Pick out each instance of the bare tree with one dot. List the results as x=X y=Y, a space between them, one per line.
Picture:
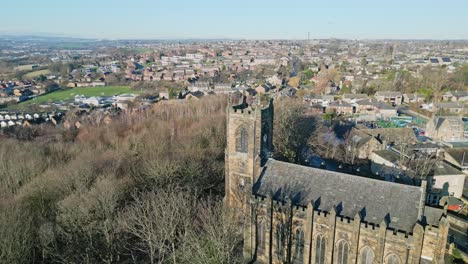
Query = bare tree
x=323 y=141
x=158 y=221
x=292 y=130
x=350 y=149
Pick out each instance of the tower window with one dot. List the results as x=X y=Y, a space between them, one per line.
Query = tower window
x=242 y=140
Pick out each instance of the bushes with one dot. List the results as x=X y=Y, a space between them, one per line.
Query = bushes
x=76 y=199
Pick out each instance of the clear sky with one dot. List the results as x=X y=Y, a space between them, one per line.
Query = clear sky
x=251 y=19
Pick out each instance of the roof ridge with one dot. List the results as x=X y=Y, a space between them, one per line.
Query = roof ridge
x=345 y=174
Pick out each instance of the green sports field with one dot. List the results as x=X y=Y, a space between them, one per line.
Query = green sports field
x=69 y=94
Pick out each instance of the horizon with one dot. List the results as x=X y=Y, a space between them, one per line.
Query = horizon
x=260 y=20
x=58 y=36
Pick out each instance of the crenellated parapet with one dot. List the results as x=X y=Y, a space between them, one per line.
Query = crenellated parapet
x=358 y=233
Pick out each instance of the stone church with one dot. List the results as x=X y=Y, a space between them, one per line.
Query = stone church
x=296 y=214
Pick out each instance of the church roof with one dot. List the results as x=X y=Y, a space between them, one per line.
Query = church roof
x=374 y=200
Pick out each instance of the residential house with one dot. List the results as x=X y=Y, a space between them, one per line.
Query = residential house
x=222 y=88
x=456 y=96
x=385 y=110
x=366 y=141
x=264 y=88
x=340 y=107
x=391 y=97
x=413 y=98
x=447 y=128
x=442 y=179
x=199 y=86
x=362 y=143
x=458 y=157
x=376 y=108
x=449 y=107
x=323 y=100
x=385 y=163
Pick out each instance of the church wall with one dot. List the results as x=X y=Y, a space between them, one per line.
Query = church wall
x=358 y=234
x=347 y=230
x=398 y=243
x=371 y=236
x=323 y=224
x=433 y=248
x=299 y=222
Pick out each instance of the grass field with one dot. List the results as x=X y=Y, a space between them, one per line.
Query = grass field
x=36 y=73
x=69 y=94
x=25 y=67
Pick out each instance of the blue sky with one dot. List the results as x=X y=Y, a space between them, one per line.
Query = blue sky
x=251 y=19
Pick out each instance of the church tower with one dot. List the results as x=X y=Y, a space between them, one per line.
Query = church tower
x=249 y=145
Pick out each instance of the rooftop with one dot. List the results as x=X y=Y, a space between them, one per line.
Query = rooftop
x=374 y=200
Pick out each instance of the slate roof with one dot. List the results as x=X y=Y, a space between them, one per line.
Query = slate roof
x=425 y=145
x=375 y=103
x=458 y=93
x=375 y=200
x=413 y=95
x=432 y=215
x=388 y=155
x=355 y=96
x=442 y=168
x=452 y=120
x=449 y=105
x=340 y=104
x=396 y=135
x=359 y=138
x=388 y=93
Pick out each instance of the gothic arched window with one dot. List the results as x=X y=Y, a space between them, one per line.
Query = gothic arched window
x=343 y=249
x=261 y=237
x=367 y=256
x=299 y=246
x=393 y=259
x=280 y=240
x=242 y=140
x=320 y=250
